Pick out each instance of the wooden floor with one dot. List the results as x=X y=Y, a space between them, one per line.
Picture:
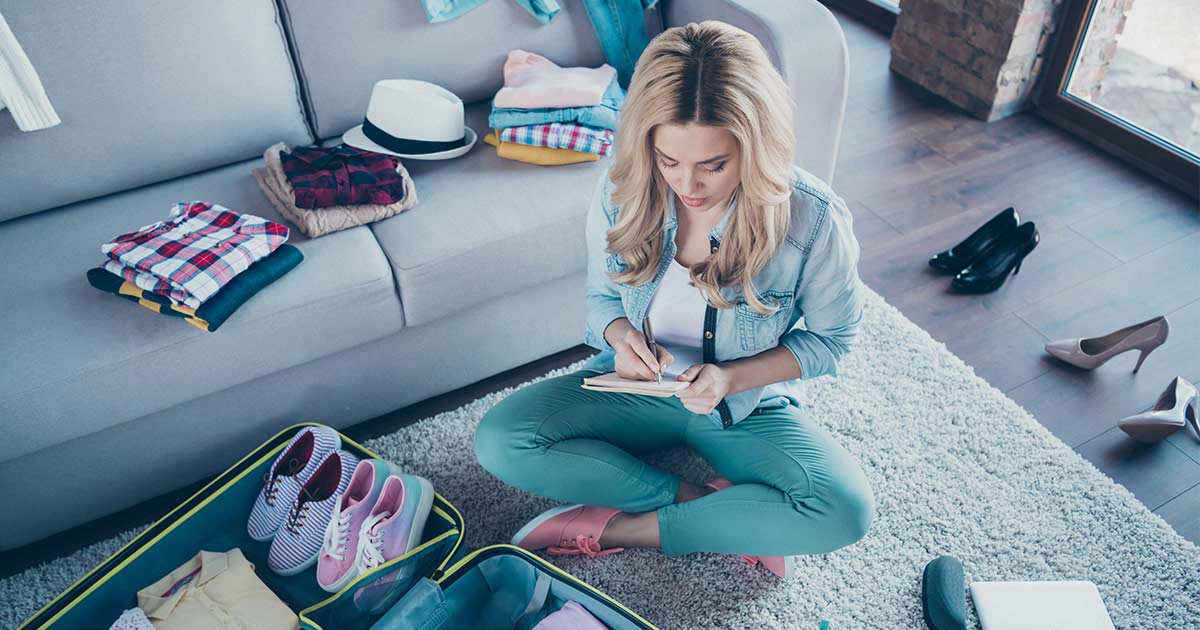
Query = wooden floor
x=1117 y=247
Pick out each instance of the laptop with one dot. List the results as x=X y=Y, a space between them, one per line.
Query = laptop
x=1063 y=605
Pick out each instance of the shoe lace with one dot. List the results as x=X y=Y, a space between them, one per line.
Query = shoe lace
x=296 y=517
x=749 y=560
x=337 y=537
x=272 y=478
x=582 y=545
x=371 y=542
x=298 y=513
x=272 y=488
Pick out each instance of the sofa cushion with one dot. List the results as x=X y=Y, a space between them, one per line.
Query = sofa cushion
x=464 y=55
x=78 y=360
x=486 y=227
x=147 y=91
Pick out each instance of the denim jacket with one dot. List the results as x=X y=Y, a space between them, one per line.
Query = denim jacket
x=813 y=274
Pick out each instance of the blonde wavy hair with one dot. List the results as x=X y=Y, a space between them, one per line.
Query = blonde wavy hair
x=708 y=73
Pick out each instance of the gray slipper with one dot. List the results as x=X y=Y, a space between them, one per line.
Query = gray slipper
x=943 y=594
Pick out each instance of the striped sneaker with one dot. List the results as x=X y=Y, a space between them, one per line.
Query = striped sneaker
x=338 y=563
x=782 y=566
x=286 y=475
x=298 y=542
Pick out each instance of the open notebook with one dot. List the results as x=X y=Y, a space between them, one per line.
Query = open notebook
x=610 y=382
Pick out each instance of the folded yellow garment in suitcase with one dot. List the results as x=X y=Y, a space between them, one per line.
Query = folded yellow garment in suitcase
x=435 y=578
x=215 y=519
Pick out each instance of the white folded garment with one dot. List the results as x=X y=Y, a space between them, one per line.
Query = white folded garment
x=20 y=87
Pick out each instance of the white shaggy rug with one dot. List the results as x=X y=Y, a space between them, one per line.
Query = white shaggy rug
x=956 y=467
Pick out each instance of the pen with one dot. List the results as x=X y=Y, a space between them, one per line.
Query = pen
x=653 y=347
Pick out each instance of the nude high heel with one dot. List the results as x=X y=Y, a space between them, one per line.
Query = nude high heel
x=1091 y=352
x=1176 y=406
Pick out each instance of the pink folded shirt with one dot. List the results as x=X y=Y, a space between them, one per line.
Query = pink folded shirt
x=531 y=81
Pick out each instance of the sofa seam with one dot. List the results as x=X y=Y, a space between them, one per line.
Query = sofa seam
x=476 y=248
x=303 y=96
x=391 y=267
x=396 y=270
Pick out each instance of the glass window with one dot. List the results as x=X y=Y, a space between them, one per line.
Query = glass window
x=1140 y=64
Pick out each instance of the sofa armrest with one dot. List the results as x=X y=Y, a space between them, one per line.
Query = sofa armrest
x=806 y=44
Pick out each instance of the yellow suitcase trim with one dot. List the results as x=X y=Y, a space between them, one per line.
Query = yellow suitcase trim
x=208 y=493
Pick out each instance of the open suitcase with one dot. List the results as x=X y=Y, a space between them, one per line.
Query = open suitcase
x=501 y=586
x=214 y=519
x=435 y=585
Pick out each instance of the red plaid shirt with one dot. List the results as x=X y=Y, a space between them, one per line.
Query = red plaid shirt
x=562 y=136
x=190 y=256
x=341 y=176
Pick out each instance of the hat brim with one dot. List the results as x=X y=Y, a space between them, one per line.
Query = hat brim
x=356 y=138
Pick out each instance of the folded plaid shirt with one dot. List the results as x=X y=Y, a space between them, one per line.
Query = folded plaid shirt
x=562 y=136
x=190 y=256
x=341 y=176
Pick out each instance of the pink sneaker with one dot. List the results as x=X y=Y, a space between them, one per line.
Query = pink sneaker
x=783 y=566
x=338 y=563
x=397 y=520
x=568 y=530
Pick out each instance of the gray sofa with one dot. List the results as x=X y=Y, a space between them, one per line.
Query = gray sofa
x=104 y=405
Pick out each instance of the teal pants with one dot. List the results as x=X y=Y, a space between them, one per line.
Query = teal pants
x=796 y=490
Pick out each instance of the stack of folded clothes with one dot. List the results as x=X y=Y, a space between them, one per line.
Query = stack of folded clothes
x=550 y=115
x=327 y=189
x=201 y=264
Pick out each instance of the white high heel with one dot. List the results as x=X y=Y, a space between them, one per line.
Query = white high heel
x=1175 y=407
x=1091 y=352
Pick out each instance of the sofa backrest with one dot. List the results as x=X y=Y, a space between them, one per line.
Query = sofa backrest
x=342 y=51
x=147 y=91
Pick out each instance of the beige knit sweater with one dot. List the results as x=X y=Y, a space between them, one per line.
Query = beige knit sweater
x=319 y=221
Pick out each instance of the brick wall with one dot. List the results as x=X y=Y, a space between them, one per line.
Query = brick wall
x=981 y=55
x=1108 y=21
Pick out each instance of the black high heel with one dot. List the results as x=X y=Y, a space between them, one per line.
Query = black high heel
x=994 y=265
x=962 y=255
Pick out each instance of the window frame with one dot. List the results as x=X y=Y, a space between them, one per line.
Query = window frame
x=1107 y=131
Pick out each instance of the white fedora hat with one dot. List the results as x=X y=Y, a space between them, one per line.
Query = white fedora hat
x=413 y=119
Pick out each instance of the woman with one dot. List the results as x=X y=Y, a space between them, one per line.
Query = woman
x=704 y=226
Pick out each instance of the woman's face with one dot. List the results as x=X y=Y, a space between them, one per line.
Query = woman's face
x=702 y=164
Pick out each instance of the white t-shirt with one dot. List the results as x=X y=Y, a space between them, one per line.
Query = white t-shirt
x=677 y=318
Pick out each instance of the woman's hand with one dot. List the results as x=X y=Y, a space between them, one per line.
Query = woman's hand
x=634 y=360
x=709 y=385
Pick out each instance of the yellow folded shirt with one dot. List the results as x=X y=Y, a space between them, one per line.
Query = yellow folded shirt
x=187 y=313
x=544 y=156
x=215 y=590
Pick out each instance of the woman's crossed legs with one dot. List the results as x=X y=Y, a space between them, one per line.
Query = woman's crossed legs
x=795 y=489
